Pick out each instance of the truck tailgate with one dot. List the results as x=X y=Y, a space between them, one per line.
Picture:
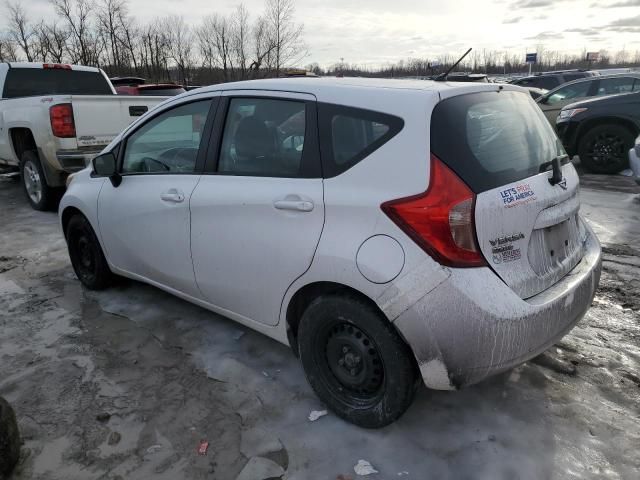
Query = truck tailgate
x=99 y=118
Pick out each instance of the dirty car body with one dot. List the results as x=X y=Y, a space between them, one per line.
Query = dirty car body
x=446 y=211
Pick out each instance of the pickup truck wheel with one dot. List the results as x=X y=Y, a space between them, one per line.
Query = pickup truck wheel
x=86 y=254
x=39 y=194
x=355 y=360
x=605 y=148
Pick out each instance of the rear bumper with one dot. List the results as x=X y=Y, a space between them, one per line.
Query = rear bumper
x=634 y=161
x=75 y=160
x=473 y=325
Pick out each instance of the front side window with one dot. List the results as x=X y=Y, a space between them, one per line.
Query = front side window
x=348 y=135
x=612 y=86
x=264 y=137
x=576 y=90
x=168 y=143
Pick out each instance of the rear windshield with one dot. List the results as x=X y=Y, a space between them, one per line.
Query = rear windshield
x=492 y=138
x=29 y=82
x=548 y=83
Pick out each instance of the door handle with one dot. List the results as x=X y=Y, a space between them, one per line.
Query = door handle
x=172 y=196
x=296 y=205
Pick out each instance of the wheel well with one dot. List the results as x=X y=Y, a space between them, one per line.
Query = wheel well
x=66 y=216
x=596 y=122
x=307 y=294
x=22 y=140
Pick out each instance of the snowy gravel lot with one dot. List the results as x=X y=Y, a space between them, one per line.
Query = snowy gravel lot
x=129 y=382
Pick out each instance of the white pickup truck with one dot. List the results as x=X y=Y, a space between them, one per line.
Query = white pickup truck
x=55 y=118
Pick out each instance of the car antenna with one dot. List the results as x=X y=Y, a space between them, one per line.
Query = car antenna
x=443 y=76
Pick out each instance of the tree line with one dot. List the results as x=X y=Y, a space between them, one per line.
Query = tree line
x=486 y=61
x=103 y=33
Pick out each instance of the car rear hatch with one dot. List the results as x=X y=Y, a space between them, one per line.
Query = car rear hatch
x=499 y=143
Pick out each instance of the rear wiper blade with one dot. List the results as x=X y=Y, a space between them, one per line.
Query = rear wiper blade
x=555 y=165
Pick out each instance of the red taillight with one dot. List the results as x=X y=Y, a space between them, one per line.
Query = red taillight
x=62 y=124
x=56 y=66
x=440 y=220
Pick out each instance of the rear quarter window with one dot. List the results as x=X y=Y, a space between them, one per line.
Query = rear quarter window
x=348 y=135
x=492 y=138
x=29 y=82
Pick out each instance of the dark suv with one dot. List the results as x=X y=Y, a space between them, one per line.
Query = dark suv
x=601 y=130
x=551 y=80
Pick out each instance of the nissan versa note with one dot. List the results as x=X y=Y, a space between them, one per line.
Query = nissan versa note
x=386 y=230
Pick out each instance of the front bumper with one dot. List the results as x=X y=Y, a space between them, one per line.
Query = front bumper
x=473 y=325
x=75 y=160
x=567 y=132
x=634 y=161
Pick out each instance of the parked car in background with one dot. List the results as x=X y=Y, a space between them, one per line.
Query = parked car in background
x=601 y=130
x=54 y=118
x=269 y=202
x=634 y=160
x=536 y=93
x=598 y=86
x=138 y=86
x=551 y=80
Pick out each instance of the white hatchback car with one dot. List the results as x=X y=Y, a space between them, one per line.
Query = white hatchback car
x=386 y=230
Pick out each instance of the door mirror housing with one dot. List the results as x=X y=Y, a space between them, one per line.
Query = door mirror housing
x=105 y=165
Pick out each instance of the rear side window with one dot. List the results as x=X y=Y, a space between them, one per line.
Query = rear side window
x=348 y=135
x=492 y=138
x=28 y=82
x=568 y=77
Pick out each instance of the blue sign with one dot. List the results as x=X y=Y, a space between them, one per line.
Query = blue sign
x=532 y=57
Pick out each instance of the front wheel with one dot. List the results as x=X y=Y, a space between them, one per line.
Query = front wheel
x=355 y=360
x=605 y=148
x=86 y=255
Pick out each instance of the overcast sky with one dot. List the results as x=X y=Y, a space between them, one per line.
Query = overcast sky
x=379 y=31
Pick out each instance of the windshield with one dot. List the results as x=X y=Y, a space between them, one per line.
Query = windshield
x=492 y=138
x=29 y=82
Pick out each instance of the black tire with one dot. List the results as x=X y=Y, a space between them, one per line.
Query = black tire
x=34 y=184
x=86 y=254
x=9 y=439
x=605 y=148
x=355 y=360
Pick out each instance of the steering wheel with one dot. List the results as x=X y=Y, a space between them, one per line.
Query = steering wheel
x=146 y=161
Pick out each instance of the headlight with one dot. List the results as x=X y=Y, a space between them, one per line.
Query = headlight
x=69 y=179
x=566 y=114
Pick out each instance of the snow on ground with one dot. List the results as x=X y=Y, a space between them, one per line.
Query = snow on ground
x=129 y=382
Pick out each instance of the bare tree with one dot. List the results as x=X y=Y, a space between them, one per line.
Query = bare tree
x=20 y=30
x=84 y=46
x=109 y=15
x=215 y=42
x=7 y=50
x=285 y=33
x=240 y=31
x=179 y=39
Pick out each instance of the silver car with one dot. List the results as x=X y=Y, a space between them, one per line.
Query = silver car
x=388 y=231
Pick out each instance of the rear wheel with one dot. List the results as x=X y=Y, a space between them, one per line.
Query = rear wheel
x=605 y=148
x=355 y=360
x=40 y=195
x=86 y=255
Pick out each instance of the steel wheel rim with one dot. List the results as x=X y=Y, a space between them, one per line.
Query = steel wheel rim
x=83 y=256
x=338 y=346
x=607 y=148
x=32 y=182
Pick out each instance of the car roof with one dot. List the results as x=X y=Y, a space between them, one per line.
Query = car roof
x=599 y=77
x=604 y=99
x=324 y=87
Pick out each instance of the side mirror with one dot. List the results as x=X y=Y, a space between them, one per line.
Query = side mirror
x=105 y=165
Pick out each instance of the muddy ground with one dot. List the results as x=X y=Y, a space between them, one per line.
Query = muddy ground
x=128 y=382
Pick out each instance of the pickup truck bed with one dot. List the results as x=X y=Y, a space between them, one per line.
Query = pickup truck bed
x=58 y=133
